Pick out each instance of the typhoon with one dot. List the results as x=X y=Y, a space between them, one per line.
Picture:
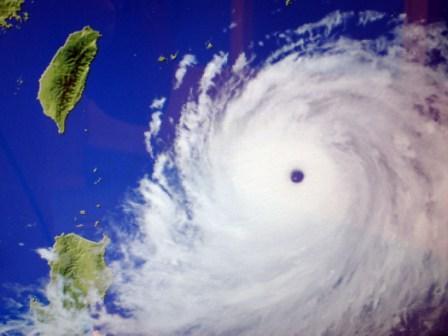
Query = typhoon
x=305 y=193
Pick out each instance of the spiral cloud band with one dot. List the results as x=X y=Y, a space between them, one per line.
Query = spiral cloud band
x=234 y=244
x=306 y=194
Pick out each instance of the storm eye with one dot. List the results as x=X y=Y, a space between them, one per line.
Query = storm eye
x=297 y=176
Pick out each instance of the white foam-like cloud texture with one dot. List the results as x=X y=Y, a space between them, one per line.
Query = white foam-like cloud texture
x=227 y=244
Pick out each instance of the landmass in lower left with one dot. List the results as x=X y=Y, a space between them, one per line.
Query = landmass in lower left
x=79 y=275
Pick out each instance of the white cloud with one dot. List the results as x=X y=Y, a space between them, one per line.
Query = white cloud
x=240 y=63
x=154 y=128
x=187 y=61
x=232 y=244
x=158 y=103
x=211 y=70
x=47 y=253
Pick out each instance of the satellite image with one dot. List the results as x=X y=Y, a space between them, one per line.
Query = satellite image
x=224 y=168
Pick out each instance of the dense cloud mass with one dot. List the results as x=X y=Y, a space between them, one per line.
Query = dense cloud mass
x=232 y=246
x=228 y=244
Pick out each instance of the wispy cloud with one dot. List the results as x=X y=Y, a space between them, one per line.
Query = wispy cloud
x=187 y=61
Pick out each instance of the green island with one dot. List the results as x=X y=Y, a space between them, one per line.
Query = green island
x=9 y=11
x=77 y=269
x=62 y=83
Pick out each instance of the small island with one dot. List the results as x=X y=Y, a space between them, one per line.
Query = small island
x=62 y=83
